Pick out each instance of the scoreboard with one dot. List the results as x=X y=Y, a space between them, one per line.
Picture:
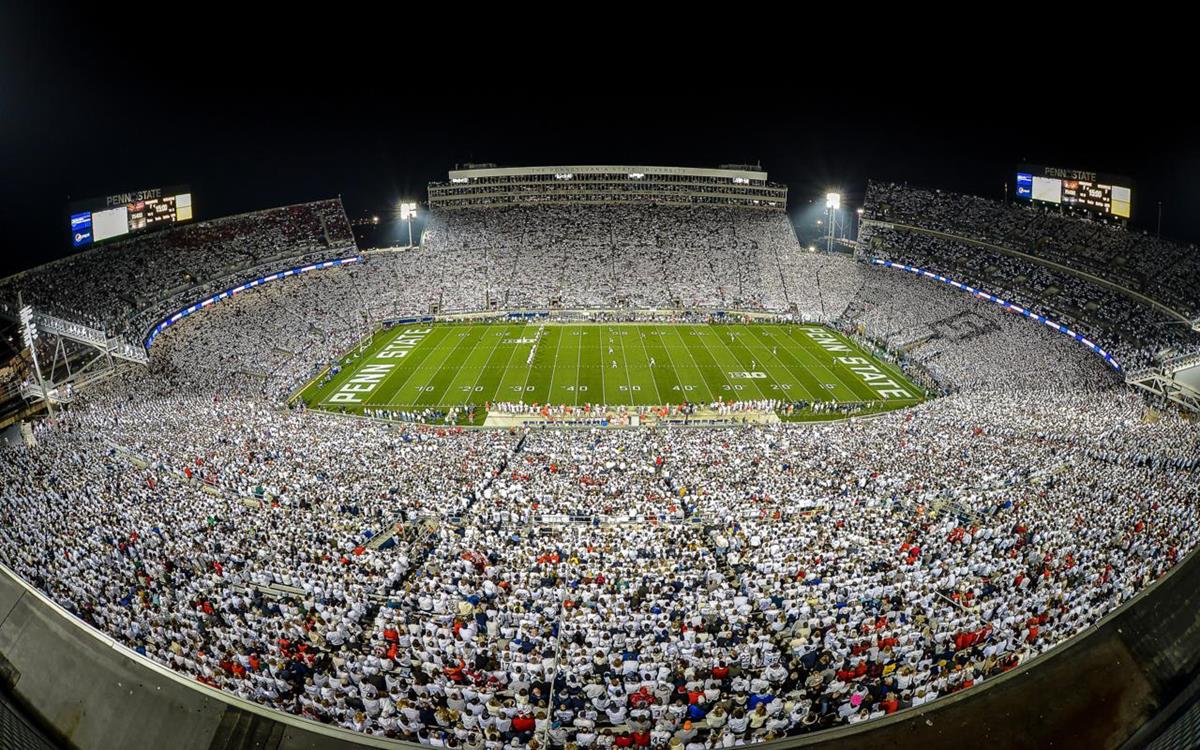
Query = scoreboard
x=101 y=219
x=1110 y=195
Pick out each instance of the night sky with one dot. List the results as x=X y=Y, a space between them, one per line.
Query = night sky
x=78 y=119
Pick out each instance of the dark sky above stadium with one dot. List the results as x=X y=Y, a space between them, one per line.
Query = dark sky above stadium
x=83 y=117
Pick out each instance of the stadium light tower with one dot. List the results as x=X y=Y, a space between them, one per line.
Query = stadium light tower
x=407 y=212
x=833 y=205
x=29 y=335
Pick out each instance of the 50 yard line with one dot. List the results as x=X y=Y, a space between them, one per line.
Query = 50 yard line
x=579 y=366
x=642 y=338
x=625 y=364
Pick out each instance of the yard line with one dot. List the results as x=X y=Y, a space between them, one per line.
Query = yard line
x=695 y=365
x=642 y=338
x=603 y=385
x=433 y=349
x=806 y=345
x=498 y=382
x=464 y=370
x=445 y=346
x=457 y=367
x=720 y=368
x=482 y=370
x=734 y=354
x=625 y=364
x=811 y=363
x=684 y=389
x=711 y=396
x=579 y=366
x=897 y=374
x=529 y=369
x=347 y=371
x=799 y=380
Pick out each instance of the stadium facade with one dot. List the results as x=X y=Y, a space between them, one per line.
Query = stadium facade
x=491 y=186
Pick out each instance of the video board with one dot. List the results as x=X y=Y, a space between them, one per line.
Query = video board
x=100 y=219
x=1111 y=195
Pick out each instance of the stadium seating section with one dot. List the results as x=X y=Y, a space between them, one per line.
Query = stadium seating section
x=667 y=587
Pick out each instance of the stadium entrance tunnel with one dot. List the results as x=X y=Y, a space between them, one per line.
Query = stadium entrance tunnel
x=1094 y=691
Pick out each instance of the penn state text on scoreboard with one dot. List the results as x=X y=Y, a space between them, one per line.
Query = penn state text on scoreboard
x=1075 y=188
x=99 y=219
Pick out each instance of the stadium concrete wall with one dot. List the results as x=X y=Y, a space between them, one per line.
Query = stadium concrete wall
x=1093 y=692
x=88 y=691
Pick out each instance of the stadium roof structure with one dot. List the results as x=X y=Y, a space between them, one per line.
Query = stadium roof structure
x=602 y=169
x=487 y=185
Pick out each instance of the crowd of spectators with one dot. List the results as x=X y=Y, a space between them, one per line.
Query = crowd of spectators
x=125 y=287
x=1161 y=269
x=639 y=256
x=1131 y=331
x=660 y=587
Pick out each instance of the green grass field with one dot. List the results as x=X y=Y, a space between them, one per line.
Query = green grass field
x=456 y=364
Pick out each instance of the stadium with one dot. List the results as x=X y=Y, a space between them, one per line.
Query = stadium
x=606 y=456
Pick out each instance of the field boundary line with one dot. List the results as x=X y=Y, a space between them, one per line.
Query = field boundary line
x=337 y=361
x=888 y=367
x=389 y=404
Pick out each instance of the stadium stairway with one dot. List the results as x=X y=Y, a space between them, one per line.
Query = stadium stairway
x=242 y=730
x=422 y=547
x=19 y=731
x=735 y=581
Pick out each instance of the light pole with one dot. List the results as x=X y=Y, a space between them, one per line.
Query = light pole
x=407 y=212
x=833 y=203
x=29 y=334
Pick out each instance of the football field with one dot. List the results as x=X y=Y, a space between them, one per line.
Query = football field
x=441 y=365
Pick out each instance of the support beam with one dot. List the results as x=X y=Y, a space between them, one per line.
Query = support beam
x=1166 y=387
